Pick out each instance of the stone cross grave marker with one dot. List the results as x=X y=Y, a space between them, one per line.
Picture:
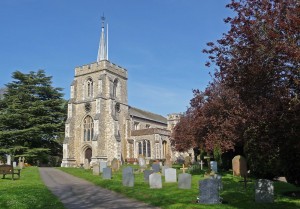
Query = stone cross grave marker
x=170 y=175
x=183 y=168
x=155 y=181
x=201 y=165
x=115 y=165
x=147 y=173
x=103 y=164
x=106 y=173
x=209 y=191
x=96 y=169
x=86 y=164
x=264 y=191
x=214 y=166
x=155 y=168
x=128 y=177
x=184 y=181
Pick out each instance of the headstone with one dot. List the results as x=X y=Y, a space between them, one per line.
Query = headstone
x=14 y=164
x=170 y=175
x=115 y=165
x=201 y=165
x=168 y=161
x=103 y=164
x=187 y=161
x=147 y=173
x=128 y=177
x=163 y=168
x=106 y=173
x=8 y=162
x=86 y=164
x=239 y=166
x=219 y=179
x=155 y=168
x=214 y=166
x=155 y=181
x=96 y=169
x=264 y=191
x=142 y=163
x=209 y=191
x=184 y=181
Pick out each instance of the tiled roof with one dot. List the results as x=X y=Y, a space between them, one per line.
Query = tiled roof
x=135 y=112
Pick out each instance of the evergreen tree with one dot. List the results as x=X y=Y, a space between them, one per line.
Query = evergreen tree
x=32 y=115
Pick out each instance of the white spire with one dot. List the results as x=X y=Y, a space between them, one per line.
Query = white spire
x=102 y=51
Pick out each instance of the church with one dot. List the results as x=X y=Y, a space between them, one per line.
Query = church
x=101 y=125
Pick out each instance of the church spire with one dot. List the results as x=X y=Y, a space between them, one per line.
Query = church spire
x=102 y=51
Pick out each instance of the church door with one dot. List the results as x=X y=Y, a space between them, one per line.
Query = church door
x=88 y=154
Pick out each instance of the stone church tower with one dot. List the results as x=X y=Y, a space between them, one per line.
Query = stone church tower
x=98 y=115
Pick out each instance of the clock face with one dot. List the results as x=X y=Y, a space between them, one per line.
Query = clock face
x=87 y=107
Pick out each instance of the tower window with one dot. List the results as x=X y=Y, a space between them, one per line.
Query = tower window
x=89 y=86
x=88 y=127
x=115 y=86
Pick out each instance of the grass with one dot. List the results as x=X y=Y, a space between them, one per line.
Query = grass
x=170 y=197
x=28 y=192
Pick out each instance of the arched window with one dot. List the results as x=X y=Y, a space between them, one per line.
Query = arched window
x=144 y=148
x=115 y=86
x=89 y=86
x=88 y=127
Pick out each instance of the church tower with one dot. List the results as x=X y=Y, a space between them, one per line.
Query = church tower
x=97 y=125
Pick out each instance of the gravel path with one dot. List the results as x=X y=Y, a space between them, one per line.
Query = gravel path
x=76 y=193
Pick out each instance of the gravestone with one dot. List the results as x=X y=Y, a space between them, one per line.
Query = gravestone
x=147 y=173
x=239 y=166
x=128 y=177
x=103 y=164
x=115 y=165
x=155 y=181
x=8 y=160
x=14 y=164
x=155 y=168
x=170 y=175
x=163 y=168
x=201 y=165
x=209 y=191
x=187 y=161
x=219 y=179
x=264 y=191
x=96 y=169
x=21 y=164
x=142 y=163
x=168 y=161
x=86 y=164
x=214 y=166
x=183 y=168
x=184 y=181
x=106 y=173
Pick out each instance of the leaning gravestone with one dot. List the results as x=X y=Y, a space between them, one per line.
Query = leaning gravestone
x=264 y=191
x=239 y=166
x=155 y=181
x=147 y=173
x=128 y=177
x=155 y=168
x=115 y=165
x=96 y=169
x=106 y=173
x=170 y=175
x=214 y=166
x=184 y=181
x=209 y=191
x=86 y=164
x=103 y=164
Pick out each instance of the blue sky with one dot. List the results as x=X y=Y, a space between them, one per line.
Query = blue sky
x=159 y=42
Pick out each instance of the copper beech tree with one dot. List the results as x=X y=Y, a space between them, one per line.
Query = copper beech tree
x=253 y=101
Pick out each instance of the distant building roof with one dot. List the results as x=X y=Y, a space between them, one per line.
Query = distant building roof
x=135 y=112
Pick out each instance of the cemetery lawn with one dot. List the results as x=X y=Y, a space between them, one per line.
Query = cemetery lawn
x=170 y=197
x=28 y=192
